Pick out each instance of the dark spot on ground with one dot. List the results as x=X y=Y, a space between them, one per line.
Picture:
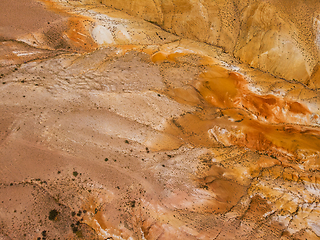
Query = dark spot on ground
x=74 y=229
x=75 y=173
x=53 y=214
x=239 y=120
x=132 y=204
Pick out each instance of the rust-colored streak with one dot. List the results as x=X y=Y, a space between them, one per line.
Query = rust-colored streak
x=78 y=26
x=158 y=57
x=166 y=56
x=220 y=91
x=296 y=107
x=245 y=118
x=262 y=136
x=79 y=35
x=288 y=137
x=236 y=127
x=232 y=91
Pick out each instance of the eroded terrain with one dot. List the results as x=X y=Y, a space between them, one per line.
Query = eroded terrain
x=112 y=128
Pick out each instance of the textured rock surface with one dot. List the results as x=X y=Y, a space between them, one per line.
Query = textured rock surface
x=280 y=37
x=112 y=128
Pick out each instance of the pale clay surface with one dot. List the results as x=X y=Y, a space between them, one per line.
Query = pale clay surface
x=115 y=128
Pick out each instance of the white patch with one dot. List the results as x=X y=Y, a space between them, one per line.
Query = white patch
x=316 y=26
x=285 y=220
x=315 y=227
x=102 y=35
x=264 y=53
x=124 y=31
x=19 y=54
x=313 y=189
x=234 y=68
x=183 y=50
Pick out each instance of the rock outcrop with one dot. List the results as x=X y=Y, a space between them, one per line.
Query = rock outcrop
x=279 y=37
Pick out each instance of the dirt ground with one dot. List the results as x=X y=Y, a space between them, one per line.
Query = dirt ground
x=112 y=128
